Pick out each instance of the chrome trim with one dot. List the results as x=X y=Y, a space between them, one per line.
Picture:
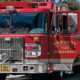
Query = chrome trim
x=55 y=61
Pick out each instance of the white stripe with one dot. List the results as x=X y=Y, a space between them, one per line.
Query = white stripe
x=55 y=61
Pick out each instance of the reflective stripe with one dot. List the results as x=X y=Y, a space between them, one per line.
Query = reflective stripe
x=50 y=60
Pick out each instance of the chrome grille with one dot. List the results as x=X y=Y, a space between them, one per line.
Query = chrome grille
x=13 y=47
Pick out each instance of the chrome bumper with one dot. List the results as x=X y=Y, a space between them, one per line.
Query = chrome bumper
x=28 y=68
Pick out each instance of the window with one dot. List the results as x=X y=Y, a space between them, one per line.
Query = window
x=40 y=24
x=64 y=23
x=28 y=22
x=73 y=22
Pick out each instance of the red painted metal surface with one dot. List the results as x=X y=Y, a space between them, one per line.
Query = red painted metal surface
x=63 y=47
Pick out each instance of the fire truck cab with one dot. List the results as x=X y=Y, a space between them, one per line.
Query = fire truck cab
x=34 y=39
x=64 y=40
x=65 y=35
x=23 y=37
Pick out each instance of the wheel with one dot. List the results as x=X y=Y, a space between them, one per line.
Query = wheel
x=2 y=76
x=76 y=69
x=62 y=74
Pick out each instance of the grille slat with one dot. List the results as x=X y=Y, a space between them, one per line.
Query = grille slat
x=12 y=48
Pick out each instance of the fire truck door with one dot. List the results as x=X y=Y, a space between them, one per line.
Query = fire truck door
x=62 y=42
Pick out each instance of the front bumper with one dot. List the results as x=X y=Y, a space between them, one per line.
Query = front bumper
x=28 y=68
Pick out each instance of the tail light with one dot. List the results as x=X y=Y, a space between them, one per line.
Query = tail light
x=32 y=50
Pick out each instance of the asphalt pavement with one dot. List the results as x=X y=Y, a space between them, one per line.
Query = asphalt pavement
x=54 y=76
x=73 y=77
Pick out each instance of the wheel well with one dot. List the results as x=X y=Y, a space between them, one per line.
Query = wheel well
x=76 y=64
x=77 y=59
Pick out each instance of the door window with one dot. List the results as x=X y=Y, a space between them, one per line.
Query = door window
x=64 y=23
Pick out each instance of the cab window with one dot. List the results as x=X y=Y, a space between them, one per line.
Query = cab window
x=64 y=23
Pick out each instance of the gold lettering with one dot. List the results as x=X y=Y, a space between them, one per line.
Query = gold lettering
x=64 y=42
x=65 y=51
x=61 y=42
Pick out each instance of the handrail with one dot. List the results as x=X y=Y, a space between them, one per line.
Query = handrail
x=38 y=0
x=26 y=0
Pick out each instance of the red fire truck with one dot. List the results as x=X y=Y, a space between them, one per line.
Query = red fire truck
x=36 y=39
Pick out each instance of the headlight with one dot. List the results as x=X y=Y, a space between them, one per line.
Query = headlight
x=33 y=52
x=4 y=56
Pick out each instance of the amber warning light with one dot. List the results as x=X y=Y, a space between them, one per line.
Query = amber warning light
x=36 y=39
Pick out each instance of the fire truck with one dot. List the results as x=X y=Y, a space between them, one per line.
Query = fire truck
x=35 y=39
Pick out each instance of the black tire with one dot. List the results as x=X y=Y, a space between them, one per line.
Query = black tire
x=76 y=69
x=62 y=75
x=2 y=76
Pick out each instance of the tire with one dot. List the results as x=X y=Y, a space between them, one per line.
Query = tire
x=62 y=75
x=2 y=76
x=76 y=69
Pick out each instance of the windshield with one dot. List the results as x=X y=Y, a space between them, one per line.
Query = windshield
x=18 y=22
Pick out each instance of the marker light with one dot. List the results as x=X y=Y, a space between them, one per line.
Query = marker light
x=36 y=39
x=32 y=50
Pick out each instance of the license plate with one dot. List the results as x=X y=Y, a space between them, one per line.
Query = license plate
x=5 y=67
